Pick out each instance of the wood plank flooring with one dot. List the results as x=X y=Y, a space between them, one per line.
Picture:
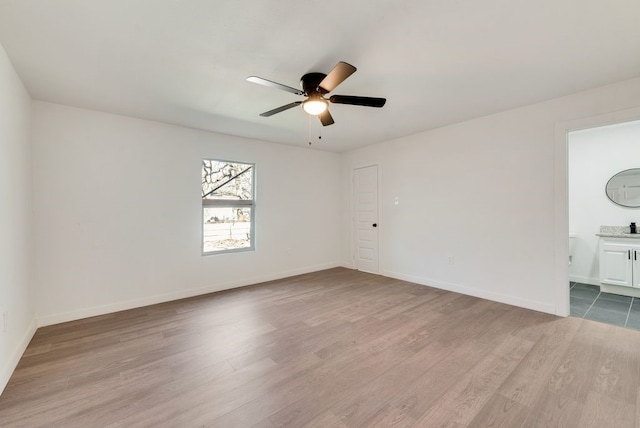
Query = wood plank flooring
x=336 y=348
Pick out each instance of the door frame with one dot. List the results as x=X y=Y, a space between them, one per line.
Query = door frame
x=561 y=196
x=352 y=214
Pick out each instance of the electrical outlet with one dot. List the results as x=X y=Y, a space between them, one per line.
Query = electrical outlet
x=451 y=260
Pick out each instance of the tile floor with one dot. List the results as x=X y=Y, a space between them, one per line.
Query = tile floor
x=588 y=302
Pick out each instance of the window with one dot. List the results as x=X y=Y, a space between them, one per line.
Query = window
x=228 y=206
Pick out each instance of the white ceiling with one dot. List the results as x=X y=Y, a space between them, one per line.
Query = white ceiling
x=436 y=61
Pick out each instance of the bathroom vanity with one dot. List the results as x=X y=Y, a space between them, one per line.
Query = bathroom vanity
x=619 y=261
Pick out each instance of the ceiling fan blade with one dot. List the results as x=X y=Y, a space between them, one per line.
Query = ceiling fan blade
x=358 y=101
x=326 y=118
x=269 y=83
x=340 y=72
x=280 y=109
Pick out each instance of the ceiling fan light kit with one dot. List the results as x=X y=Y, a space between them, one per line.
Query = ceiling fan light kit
x=315 y=105
x=314 y=87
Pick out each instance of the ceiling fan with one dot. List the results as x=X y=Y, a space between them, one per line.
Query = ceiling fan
x=315 y=86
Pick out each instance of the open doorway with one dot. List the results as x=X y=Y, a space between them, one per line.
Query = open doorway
x=601 y=286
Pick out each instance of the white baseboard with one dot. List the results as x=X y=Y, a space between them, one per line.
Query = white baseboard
x=348 y=265
x=182 y=294
x=483 y=294
x=8 y=369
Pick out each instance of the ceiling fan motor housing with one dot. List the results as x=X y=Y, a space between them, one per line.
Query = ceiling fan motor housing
x=310 y=83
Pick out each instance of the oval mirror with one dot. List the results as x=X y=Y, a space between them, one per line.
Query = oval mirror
x=624 y=188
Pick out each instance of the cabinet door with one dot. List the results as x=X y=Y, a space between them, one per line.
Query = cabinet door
x=635 y=261
x=615 y=264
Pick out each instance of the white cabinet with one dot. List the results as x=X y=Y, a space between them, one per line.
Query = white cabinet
x=619 y=262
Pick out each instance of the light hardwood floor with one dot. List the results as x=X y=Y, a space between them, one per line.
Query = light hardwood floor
x=336 y=348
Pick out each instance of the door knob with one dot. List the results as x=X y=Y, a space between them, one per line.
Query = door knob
x=375 y=224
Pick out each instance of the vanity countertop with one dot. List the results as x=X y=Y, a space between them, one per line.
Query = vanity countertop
x=617 y=232
x=619 y=235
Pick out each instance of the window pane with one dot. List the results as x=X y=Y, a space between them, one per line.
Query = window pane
x=226 y=228
x=227 y=180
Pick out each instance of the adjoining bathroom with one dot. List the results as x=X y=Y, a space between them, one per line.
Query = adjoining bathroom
x=604 y=207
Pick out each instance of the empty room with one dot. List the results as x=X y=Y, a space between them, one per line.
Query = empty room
x=319 y=214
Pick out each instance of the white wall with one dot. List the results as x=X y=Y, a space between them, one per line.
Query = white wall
x=595 y=155
x=488 y=192
x=16 y=298
x=117 y=212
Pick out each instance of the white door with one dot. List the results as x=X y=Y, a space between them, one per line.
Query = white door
x=615 y=265
x=365 y=217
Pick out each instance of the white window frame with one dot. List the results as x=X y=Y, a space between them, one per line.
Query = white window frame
x=232 y=203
